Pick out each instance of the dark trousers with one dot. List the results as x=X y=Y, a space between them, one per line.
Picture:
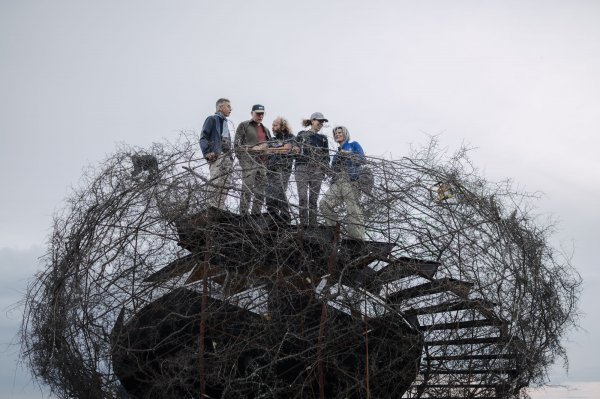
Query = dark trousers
x=277 y=202
x=309 y=177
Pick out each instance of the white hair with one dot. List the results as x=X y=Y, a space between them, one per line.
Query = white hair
x=344 y=130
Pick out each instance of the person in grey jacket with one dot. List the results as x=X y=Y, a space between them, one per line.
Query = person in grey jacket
x=251 y=143
x=311 y=164
x=215 y=143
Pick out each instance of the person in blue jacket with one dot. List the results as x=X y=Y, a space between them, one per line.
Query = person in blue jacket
x=346 y=167
x=215 y=143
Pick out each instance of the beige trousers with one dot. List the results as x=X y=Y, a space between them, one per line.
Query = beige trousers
x=220 y=177
x=343 y=191
x=254 y=179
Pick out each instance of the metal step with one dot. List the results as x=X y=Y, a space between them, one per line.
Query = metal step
x=467 y=341
x=458 y=287
x=452 y=306
x=431 y=371
x=463 y=397
x=472 y=357
x=395 y=269
x=469 y=386
x=358 y=254
x=199 y=274
x=463 y=324
x=175 y=269
x=405 y=266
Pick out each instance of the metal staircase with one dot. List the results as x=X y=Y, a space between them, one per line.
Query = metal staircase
x=466 y=349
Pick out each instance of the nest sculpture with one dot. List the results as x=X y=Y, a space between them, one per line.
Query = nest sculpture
x=149 y=293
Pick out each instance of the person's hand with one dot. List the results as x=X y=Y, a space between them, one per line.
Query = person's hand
x=326 y=169
x=260 y=147
x=211 y=157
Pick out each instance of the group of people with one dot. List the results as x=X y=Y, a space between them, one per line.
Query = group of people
x=267 y=160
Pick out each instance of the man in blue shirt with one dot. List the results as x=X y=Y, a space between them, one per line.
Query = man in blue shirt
x=346 y=167
x=215 y=143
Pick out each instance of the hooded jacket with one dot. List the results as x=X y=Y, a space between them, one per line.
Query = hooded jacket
x=349 y=158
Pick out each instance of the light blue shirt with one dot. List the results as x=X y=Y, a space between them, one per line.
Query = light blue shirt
x=225 y=135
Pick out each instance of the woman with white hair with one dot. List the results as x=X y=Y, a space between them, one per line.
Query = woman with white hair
x=346 y=166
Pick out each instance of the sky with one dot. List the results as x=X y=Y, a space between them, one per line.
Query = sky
x=519 y=81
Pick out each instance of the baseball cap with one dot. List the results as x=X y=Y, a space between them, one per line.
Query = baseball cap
x=318 y=116
x=258 y=108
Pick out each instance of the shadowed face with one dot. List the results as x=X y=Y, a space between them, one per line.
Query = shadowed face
x=258 y=116
x=316 y=124
x=277 y=125
x=225 y=109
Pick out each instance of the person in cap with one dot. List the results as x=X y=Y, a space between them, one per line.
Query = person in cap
x=251 y=142
x=279 y=168
x=346 y=167
x=311 y=164
x=215 y=143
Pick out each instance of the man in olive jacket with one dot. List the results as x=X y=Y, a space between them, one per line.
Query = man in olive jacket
x=250 y=146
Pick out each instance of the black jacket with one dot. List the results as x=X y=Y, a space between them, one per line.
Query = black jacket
x=314 y=147
x=281 y=162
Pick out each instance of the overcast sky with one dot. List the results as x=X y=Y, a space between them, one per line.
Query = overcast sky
x=518 y=80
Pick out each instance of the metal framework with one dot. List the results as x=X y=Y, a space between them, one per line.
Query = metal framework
x=148 y=293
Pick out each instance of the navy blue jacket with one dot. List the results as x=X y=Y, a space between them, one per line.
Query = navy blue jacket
x=211 y=139
x=314 y=147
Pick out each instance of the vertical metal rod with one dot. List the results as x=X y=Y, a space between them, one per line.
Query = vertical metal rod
x=331 y=268
x=320 y=369
x=203 y=306
x=367 y=361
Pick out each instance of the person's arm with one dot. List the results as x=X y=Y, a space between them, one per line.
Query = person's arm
x=240 y=139
x=325 y=151
x=358 y=155
x=354 y=161
x=288 y=145
x=275 y=147
x=206 y=138
x=240 y=134
x=300 y=141
x=263 y=146
x=295 y=146
x=285 y=145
